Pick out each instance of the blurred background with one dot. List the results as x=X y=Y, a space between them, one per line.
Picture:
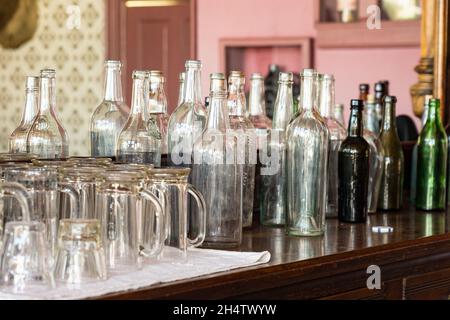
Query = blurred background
x=76 y=36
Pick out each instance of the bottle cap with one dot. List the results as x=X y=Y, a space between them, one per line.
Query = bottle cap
x=286 y=77
x=364 y=87
x=32 y=83
x=357 y=104
x=193 y=64
x=390 y=99
x=218 y=83
x=380 y=87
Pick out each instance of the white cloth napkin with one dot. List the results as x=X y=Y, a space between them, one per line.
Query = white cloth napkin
x=200 y=262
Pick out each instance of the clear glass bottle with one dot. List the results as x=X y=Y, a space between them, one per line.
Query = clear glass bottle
x=108 y=119
x=157 y=105
x=217 y=174
x=188 y=120
x=308 y=142
x=46 y=137
x=257 y=108
x=371 y=120
x=391 y=191
x=181 y=79
x=18 y=138
x=140 y=140
x=273 y=187
x=337 y=135
x=238 y=121
x=338 y=113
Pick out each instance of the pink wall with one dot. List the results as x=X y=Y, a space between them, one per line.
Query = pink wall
x=293 y=18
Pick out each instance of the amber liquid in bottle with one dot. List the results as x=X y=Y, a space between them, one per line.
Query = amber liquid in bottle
x=354 y=169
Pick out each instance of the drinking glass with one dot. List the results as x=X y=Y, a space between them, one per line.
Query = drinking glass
x=25 y=261
x=117 y=206
x=43 y=188
x=85 y=180
x=81 y=256
x=172 y=188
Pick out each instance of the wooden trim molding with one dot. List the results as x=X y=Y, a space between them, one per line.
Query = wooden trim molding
x=304 y=43
x=357 y=35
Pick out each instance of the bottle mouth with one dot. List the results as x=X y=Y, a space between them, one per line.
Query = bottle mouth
x=48 y=73
x=286 y=77
x=193 y=64
x=140 y=74
x=256 y=76
x=308 y=73
x=113 y=64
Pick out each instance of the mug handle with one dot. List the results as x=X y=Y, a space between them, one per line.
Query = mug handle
x=74 y=198
x=20 y=193
x=201 y=216
x=160 y=233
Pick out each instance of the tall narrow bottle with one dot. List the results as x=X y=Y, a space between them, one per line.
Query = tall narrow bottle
x=353 y=169
x=257 y=108
x=273 y=187
x=217 y=174
x=108 y=119
x=46 y=137
x=371 y=120
x=391 y=192
x=157 y=105
x=181 y=80
x=188 y=120
x=432 y=161
x=242 y=125
x=307 y=163
x=18 y=138
x=376 y=155
x=140 y=140
x=337 y=135
x=380 y=93
x=412 y=192
x=364 y=90
x=338 y=113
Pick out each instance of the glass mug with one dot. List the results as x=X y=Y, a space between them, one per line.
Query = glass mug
x=43 y=189
x=85 y=180
x=88 y=161
x=117 y=206
x=172 y=188
x=81 y=256
x=25 y=261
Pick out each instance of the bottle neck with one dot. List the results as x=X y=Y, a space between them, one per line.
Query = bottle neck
x=326 y=98
x=218 y=113
x=139 y=98
x=157 y=100
x=31 y=106
x=181 y=93
x=389 y=117
x=236 y=100
x=257 y=98
x=307 y=93
x=433 y=114
x=113 y=85
x=192 y=86
x=284 y=106
x=47 y=99
x=355 y=126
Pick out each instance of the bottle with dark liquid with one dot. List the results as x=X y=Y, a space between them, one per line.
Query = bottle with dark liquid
x=364 y=89
x=380 y=93
x=109 y=117
x=432 y=161
x=391 y=191
x=140 y=140
x=354 y=169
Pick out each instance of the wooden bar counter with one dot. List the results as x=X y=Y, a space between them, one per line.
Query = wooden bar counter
x=414 y=260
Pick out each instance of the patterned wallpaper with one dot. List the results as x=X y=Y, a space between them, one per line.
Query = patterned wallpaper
x=71 y=39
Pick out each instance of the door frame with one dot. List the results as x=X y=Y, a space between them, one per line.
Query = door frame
x=116 y=40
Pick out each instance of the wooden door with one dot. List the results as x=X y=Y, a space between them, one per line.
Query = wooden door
x=152 y=37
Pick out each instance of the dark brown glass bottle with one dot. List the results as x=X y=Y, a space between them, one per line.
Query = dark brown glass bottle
x=364 y=89
x=354 y=169
x=391 y=191
x=380 y=93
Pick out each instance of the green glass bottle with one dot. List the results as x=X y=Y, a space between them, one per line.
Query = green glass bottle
x=391 y=191
x=432 y=161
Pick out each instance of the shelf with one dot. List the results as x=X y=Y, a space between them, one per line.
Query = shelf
x=357 y=35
